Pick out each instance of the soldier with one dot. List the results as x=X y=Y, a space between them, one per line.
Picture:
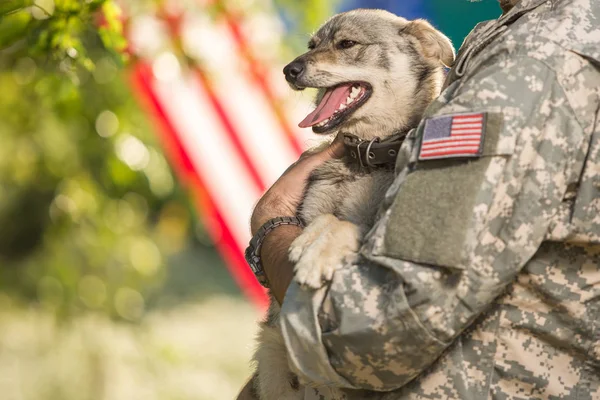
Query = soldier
x=481 y=278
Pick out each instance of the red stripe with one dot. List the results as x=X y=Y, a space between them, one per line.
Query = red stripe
x=233 y=136
x=449 y=145
x=466 y=128
x=468 y=125
x=459 y=117
x=451 y=148
x=458 y=150
x=462 y=135
x=467 y=121
x=174 y=24
x=463 y=127
x=449 y=141
x=469 y=131
x=141 y=78
x=448 y=153
x=258 y=73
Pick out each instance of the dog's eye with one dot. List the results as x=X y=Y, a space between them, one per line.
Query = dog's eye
x=346 y=44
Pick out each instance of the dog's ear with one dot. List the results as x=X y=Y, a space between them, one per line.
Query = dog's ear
x=434 y=44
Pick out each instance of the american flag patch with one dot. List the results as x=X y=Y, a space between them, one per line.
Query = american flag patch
x=453 y=136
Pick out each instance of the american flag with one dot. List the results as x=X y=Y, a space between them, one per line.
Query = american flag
x=223 y=119
x=453 y=136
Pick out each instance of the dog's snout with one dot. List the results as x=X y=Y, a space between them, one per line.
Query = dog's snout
x=293 y=70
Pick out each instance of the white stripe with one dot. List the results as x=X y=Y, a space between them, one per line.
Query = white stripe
x=464 y=131
x=461 y=126
x=254 y=122
x=460 y=120
x=213 y=155
x=452 y=149
x=465 y=137
x=436 y=145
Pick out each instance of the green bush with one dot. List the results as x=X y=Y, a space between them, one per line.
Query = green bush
x=89 y=209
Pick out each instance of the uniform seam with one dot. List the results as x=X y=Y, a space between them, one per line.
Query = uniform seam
x=554 y=70
x=493 y=366
x=535 y=32
x=380 y=260
x=522 y=53
x=573 y=206
x=501 y=23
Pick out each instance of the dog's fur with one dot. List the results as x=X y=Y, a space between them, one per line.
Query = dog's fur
x=403 y=63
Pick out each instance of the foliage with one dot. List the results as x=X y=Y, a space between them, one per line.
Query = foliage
x=89 y=209
x=56 y=29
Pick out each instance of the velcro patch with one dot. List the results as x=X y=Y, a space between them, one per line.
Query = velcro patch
x=453 y=136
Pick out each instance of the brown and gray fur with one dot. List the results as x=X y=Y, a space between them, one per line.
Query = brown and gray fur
x=403 y=62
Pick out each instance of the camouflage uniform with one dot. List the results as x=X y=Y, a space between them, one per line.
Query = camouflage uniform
x=481 y=278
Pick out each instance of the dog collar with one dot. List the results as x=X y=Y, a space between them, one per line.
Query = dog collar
x=373 y=153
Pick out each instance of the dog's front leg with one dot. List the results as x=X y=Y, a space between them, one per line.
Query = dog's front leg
x=323 y=247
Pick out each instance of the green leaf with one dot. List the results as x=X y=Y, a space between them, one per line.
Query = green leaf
x=9 y=6
x=13 y=27
x=112 y=13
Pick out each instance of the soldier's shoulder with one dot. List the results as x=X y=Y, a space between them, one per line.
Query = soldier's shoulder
x=554 y=32
x=564 y=35
x=574 y=25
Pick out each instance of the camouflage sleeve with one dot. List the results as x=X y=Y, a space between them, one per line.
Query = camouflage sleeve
x=452 y=233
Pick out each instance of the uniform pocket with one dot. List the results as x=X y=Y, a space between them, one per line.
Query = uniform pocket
x=440 y=203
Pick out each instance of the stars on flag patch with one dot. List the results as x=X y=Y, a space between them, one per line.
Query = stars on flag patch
x=453 y=136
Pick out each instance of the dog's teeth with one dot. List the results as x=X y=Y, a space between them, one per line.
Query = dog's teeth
x=342 y=106
x=349 y=100
x=355 y=91
x=323 y=123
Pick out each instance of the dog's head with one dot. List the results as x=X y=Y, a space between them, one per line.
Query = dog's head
x=376 y=72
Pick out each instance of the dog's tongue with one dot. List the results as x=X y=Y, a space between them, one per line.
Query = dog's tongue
x=329 y=104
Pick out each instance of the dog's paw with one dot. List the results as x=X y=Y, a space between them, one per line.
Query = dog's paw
x=309 y=235
x=327 y=253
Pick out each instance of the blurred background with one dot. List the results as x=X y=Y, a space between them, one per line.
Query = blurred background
x=135 y=137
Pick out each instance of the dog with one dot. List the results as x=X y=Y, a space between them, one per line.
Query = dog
x=376 y=73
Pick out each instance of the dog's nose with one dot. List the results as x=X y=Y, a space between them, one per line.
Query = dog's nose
x=293 y=70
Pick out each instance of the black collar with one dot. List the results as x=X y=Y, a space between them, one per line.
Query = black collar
x=373 y=153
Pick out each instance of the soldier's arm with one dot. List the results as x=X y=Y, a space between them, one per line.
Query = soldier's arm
x=453 y=233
